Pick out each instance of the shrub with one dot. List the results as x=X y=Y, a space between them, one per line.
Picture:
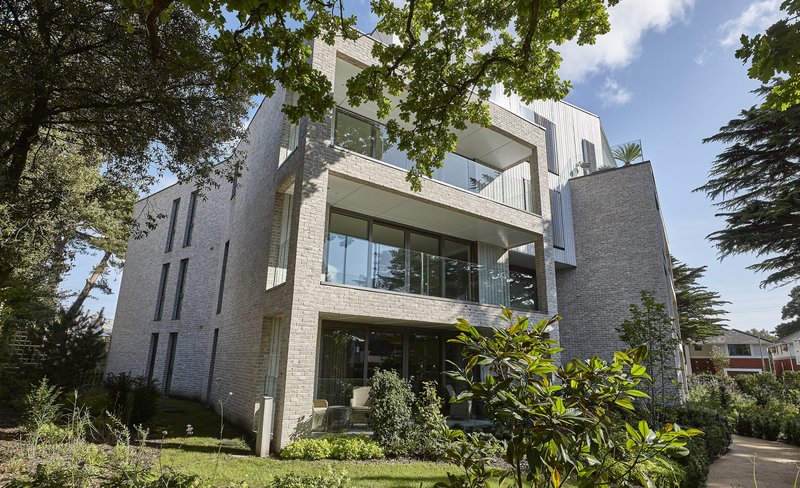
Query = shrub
x=42 y=406
x=762 y=387
x=696 y=464
x=391 y=412
x=330 y=479
x=791 y=430
x=744 y=424
x=333 y=447
x=665 y=472
x=715 y=426
x=132 y=398
x=428 y=444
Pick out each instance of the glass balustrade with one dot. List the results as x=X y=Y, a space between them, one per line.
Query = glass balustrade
x=368 y=137
x=353 y=260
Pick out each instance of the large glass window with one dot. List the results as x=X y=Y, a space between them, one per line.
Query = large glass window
x=424 y=358
x=425 y=266
x=341 y=364
x=348 y=250
x=385 y=352
x=350 y=355
x=457 y=270
x=361 y=252
x=389 y=258
x=739 y=350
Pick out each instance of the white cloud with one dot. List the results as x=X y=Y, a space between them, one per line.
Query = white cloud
x=630 y=20
x=612 y=93
x=702 y=57
x=756 y=18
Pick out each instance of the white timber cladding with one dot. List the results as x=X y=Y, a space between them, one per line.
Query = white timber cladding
x=567 y=127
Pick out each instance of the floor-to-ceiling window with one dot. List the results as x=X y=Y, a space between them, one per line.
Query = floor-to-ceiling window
x=351 y=353
x=364 y=252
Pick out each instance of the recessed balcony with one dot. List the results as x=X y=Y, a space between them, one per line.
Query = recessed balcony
x=486 y=162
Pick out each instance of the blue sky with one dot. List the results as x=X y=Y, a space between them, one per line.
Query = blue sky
x=666 y=74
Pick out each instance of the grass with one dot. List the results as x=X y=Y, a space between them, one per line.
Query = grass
x=197 y=454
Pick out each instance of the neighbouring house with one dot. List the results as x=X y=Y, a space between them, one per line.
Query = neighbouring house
x=784 y=353
x=319 y=264
x=746 y=352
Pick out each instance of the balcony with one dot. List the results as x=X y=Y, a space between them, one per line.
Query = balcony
x=385 y=256
x=368 y=137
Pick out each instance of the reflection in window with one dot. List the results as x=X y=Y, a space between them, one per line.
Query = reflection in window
x=424 y=358
x=385 y=352
x=348 y=250
x=341 y=365
x=389 y=258
x=522 y=287
x=739 y=350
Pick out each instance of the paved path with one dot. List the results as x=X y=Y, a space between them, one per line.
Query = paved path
x=776 y=465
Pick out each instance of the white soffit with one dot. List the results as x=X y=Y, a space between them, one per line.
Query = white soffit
x=481 y=143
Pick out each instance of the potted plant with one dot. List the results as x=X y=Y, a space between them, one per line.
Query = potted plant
x=628 y=152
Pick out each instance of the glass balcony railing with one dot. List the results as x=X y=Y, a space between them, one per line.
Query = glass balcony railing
x=359 y=262
x=368 y=137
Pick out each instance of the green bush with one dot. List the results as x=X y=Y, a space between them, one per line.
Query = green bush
x=665 y=472
x=330 y=479
x=428 y=444
x=333 y=447
x=744 y=424
x=714 y=424
x=391 y=412
x=791 y=430
x=697 y=464
x=132 y=398
x=762 y=386
x=42 y=406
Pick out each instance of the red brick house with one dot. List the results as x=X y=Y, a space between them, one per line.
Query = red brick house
x=747 y=353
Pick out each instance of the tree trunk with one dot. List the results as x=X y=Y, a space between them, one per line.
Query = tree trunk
x=90 y=282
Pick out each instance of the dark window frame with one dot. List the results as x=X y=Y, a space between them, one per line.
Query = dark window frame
x=223 y=272
x=180 y=289
x=170 y=366
x=371 y=221
x=190 y=214
x=733 y=351
x=162 y=291
x=151 y=359
x=212 y=364
x=173 y=223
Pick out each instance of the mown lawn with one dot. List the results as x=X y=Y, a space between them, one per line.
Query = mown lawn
x=197 y=454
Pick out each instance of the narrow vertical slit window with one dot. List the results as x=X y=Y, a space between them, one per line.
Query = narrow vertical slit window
x=283 y=245
x=151 y=360
x=235 y=183
x=556 y=212
x=222 y=276
x=187 y=234
x=173 y=341
x=176 y=312
x=162 y=289
x=173 y=219
x=212 y=364
x=589 y=155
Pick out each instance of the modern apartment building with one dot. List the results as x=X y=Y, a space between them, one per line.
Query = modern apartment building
x=319 y=265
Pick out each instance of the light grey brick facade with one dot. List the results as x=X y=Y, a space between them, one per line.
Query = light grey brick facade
x=269 y=326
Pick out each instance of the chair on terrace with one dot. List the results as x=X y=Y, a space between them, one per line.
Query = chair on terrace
x=360 y=405
x=319 y=416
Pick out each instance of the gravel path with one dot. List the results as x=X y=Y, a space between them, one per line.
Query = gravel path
x=776 y=465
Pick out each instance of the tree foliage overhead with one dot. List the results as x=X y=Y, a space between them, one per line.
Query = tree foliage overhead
x=699 y=309
x=756 y=182
x=775 y=56
x=790 y=314
x=433 y=81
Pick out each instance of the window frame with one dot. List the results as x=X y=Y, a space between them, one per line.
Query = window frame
x=190 y=214
x=173 y=224
x=180 y=288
